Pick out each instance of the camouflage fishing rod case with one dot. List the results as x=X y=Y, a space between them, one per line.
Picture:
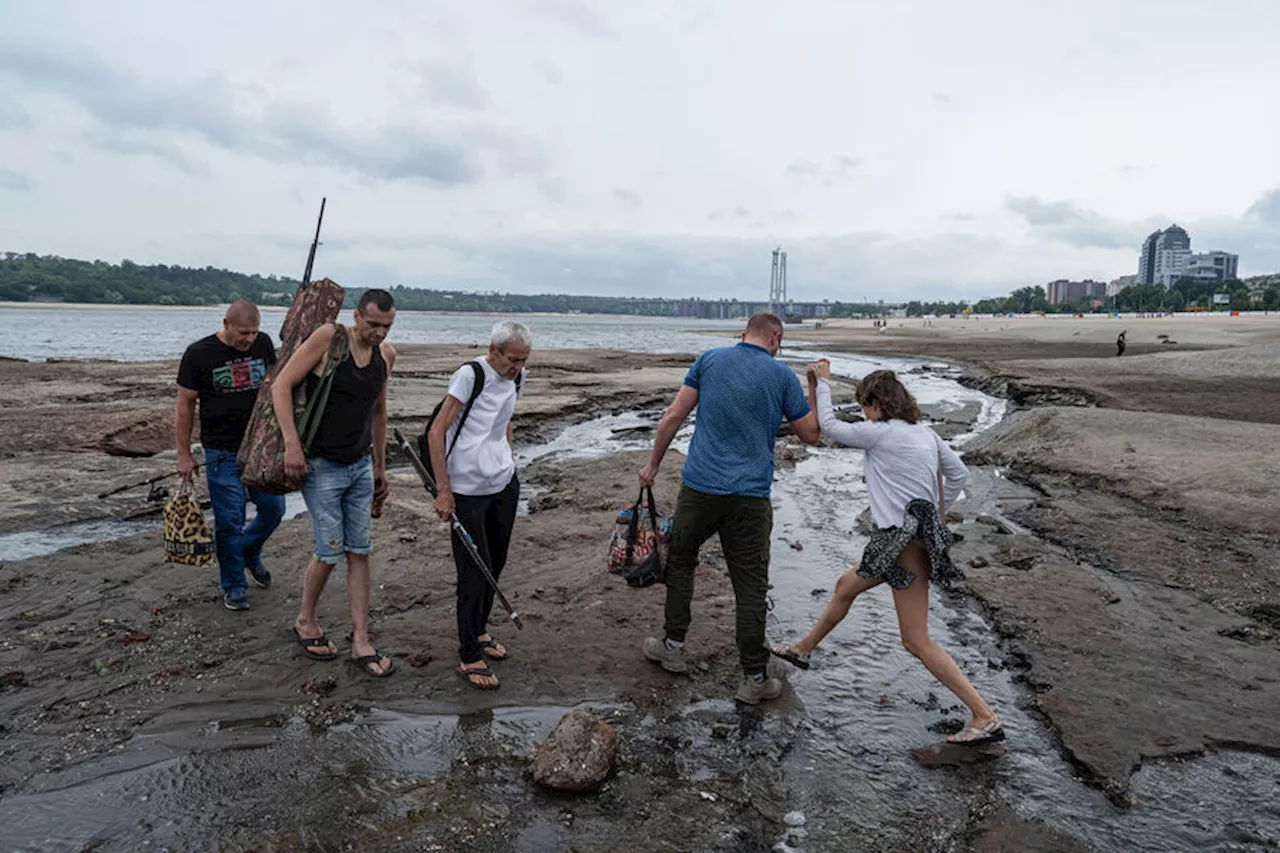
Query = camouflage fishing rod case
x=261 y=456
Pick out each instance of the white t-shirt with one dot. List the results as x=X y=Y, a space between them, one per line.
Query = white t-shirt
x=481 y=462
x=902 y=461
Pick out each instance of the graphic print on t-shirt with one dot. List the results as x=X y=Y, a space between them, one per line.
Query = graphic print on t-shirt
x=243 y=375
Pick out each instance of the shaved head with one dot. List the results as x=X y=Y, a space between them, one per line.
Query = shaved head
x=240 y=325
x=242 y=312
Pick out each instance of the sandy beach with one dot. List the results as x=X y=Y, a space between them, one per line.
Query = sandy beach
x=1121 y=528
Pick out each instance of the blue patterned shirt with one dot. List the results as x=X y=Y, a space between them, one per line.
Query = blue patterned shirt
x=743 y=395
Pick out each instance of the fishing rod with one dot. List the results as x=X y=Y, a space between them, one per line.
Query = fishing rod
x=461 y=532
x=149 y=482
x=311 y=256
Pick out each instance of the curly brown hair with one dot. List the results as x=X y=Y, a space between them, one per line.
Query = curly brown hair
x=883 y=388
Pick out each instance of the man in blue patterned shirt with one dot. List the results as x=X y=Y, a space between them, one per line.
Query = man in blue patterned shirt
x=742 y=393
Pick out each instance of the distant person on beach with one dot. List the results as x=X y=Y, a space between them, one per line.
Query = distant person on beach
x=1120 y=342
x=476 y=479
x=221 y=375
x=742 y=394
x=911 y=476
x=346 y=470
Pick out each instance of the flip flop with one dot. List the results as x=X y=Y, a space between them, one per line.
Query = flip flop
x=992 y=732
x=796 y=659
x=484 y=671
x=490 y=648
x=366 y=663
x=322 y=640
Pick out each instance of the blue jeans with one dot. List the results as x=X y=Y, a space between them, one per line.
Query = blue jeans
x=235 y=544
x=339 y=500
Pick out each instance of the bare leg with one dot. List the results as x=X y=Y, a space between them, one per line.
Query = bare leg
x=313 y=582
x=849 y=587
x=358 y=598
x=913 y=623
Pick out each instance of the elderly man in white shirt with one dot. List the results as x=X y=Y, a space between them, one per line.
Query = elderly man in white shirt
x=475 y=469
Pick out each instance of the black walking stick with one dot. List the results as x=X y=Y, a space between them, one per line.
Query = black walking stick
x=458 y=530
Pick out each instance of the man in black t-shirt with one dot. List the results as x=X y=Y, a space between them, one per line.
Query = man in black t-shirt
x=222 y=374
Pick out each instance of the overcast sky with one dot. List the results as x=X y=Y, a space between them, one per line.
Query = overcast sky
x=930 y=149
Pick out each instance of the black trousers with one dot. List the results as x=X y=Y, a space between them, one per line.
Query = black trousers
x=489 y=519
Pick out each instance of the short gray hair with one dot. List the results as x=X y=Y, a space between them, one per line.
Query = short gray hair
x=508 y=331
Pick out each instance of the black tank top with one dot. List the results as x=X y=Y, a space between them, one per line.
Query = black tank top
x=346 y=428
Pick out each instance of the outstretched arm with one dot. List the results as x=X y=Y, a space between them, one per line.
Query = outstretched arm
x=672 y=419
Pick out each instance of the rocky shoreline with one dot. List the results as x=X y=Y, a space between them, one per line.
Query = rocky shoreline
x=1125 y=557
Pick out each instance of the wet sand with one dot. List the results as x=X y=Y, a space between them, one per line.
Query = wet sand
x=1144 y=611
x=1140 y=616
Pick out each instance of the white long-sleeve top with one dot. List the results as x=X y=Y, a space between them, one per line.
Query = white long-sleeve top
x=902 y=460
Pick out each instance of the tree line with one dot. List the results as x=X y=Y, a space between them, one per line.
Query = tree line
x=1183 y=295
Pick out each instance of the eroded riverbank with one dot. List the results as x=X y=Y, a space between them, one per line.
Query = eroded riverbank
x=213 y=702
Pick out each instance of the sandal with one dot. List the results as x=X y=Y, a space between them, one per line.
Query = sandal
x=791 y=656
x=366 y=662
x=307 y=643
x=992 y=732
x=482 y=672
x=493 y=649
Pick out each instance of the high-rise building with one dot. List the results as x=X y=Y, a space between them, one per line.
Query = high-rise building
x=1167 y=256
x=1078 y=292
x=1147 y=261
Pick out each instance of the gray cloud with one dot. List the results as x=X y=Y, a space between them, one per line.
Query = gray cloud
x=631 y=198
x=453 y=84
x=582 y=17
x=15 y=181
x=13 y=116
x=837 y=168
x=1064 y=222
x=941 y=98
x=279 y=131
x=1267 y=208
x=1038 y=212
x=154 y=146
x=550 y=72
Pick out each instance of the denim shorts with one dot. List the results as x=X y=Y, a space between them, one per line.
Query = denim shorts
x=339 y=500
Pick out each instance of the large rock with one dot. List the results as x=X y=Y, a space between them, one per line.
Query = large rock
x=578 y=755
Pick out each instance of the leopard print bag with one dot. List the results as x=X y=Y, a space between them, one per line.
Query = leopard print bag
x=187 y=539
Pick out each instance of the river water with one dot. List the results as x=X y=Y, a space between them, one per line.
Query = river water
x=147 y=334
x=834 y=756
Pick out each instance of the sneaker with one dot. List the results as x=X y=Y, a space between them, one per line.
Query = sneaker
x=672 y=660
x=235 y=600
x=754 y=692
x=260 y=575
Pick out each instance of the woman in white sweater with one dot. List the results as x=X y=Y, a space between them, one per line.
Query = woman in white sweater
x=912 y=475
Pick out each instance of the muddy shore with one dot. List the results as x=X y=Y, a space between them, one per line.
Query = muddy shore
x=1145 y=609
x=1139 y=611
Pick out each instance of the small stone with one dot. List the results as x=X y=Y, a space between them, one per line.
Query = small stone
x=408 y=536
x=793 y=818
x=419 y=660
x=703 y=666
x=979 y=562
x=797 y=545
x=721 y=731
x=817 y=591
x=134 y=636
